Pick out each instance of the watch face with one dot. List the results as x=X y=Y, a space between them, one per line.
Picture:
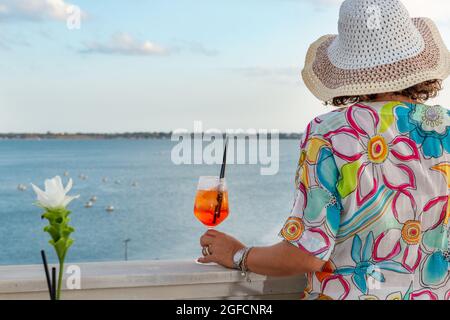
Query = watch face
x=237 y=258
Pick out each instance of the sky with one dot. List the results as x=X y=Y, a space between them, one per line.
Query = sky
x=160 y=65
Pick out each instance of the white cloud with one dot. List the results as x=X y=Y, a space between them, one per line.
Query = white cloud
x=125 y=44
x=35 y=9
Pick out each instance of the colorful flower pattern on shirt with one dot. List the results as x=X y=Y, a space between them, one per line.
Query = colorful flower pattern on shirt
x=372 y=200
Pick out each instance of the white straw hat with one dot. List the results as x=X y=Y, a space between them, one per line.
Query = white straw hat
x=379 y=49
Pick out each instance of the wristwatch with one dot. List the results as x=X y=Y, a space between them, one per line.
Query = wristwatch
x=237 y=258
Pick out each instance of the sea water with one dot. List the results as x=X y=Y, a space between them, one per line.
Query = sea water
x=152 y=199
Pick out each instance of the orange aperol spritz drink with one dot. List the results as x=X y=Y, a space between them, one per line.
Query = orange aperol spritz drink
x=211 y=202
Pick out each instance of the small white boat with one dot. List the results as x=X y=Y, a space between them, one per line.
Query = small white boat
x=117 y=182
x=22 y=187
x=93 y=199
x=83 y=177
x=110 y=209
x=66 y=173
x=105 y=180
x=135 y=184
x=89 y=204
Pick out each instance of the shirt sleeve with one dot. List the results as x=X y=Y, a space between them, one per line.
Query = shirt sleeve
x=315 y=217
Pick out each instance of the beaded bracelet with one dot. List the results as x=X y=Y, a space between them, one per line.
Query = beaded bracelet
x=243 y=266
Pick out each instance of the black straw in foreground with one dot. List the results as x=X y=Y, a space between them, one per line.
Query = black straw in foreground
x=47 y=274
x=53 y=283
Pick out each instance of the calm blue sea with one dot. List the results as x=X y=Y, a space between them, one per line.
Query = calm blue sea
x=156 y=214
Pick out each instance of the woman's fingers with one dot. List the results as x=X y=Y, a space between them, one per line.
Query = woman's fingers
x=212 y=233
x=206 y=240
x=206 y=259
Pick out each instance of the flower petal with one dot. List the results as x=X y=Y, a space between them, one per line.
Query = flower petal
x=387 y=245
x=359 y=279
x=435 y=239
x=336 y=286
x=412 y=257
x=41 y=196
x=69 y=186
x=363 y=119
x=434 y=213
x=395 y=296
x=316 y=242
x=378 y=276
x=368 y=248
x=345 y=271
x=417 y=137
x=348 y=181
x=317 y=197
x=404 y=206
x=435 y=270
x=58 y=183
x=423 y=295
x=300 y=202
x=404 y=149
x=356 y=249
x=68 y=200
x=403 y=123
x=392 y=266
x=432 y=147
x=367 y=183
x=447 y=295
x=368 y=297
x=398 y=176
x=446 y=144
x=327 y=171
x=345 y=143
x=50 y=186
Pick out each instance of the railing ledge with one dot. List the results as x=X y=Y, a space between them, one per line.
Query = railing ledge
x=178 y=279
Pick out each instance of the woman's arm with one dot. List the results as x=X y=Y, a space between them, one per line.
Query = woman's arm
x=282 y=259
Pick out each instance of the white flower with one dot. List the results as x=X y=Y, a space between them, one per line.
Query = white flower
x=55 y=195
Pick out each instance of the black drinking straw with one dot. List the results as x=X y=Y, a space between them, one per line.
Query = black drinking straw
x=222 y=176
x=47 y=274
x=53 y=283
x=224 y=160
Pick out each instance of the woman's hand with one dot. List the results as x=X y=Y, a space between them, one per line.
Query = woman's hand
x=222 y=248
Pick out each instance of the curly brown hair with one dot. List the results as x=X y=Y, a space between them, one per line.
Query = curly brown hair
x=420 y=92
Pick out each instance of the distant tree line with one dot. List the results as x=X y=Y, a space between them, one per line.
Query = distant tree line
x=108 y=136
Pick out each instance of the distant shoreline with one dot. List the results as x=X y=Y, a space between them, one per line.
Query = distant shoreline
x=109 y=136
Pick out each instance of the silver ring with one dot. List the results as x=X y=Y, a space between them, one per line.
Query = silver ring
x=206 y=251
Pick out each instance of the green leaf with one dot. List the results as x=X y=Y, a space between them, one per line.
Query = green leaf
x=348 y=178
x=53 y=231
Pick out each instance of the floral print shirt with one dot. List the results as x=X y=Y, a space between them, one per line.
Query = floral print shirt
x=372 y=200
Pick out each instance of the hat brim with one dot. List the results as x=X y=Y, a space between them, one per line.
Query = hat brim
x=326 y=81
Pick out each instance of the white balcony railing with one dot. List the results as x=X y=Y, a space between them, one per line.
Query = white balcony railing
x=149 y=280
